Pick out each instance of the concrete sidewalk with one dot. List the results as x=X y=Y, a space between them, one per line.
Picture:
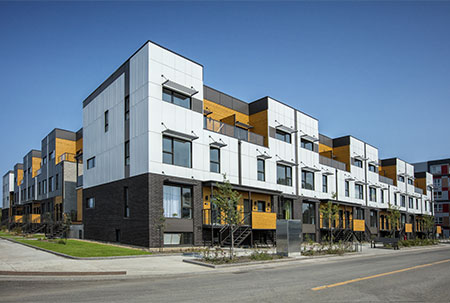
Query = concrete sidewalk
x=19 y=258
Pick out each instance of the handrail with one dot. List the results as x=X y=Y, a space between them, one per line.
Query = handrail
x=332 y=163
x=232 y=131
x=385 y=180
x=67 y=157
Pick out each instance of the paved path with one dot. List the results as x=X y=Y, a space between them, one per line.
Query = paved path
x=419 y=275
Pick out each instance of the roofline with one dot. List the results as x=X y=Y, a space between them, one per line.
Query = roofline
x=288 y=106
x=351 y=136
x=8 y=172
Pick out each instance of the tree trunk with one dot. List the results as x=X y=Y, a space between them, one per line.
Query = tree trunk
x=232 y=243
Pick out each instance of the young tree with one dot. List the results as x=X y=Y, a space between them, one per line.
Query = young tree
x=329 y=213
x=160 y=226
x=428 y=224
x=226 y=199
x=393 y=218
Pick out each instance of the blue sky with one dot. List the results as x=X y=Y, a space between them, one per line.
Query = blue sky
x=379 y=71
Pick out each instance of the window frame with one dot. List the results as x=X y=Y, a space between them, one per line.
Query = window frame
x=372 y=194
x=88 y=204
x=213 y=162
x=308 y=212
x=126 y=202
x=172 y=152
x=372 y=168
x=283 y=136
x=127 y=153
x=263 y=171
x=347 y=188
x=359 y=194
x=324 y=183
x=182 y=188
x=127 y=108
x=360 y=163
x=106 y=120
x=172 y=93
x=304 y=143
x=288 y=180
x=304 y=178
x=259 y=203
x=90 y=163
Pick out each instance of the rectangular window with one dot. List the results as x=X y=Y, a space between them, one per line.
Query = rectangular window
x=307 y=180
x=261 y=206
x=325 y=183
x=106 y=121
x=359 y=194
x=44 y=186
x=403 y=201
x=284 y=175
x=29 y=170
x=372 y=168
x=50 y=184
x=91 y=163
x=373 y=218
x=281 y=135
x=382 y=196
x=357 y=162
x=90 y=202
x=51 y=155
x=410 y=202
x=57 y=182
x=410 y=181
x=126 y=209
x=401 y=178
x=261 y=170
x=177 y=201
x=178 y=239
x=417 y=203
x=127 y=153
x=176 y=98
x=127 y=108
x=176 y=151
x=308 y=212
x=39 y=188
x=373 y=194
x=44 y=160
x=395 y=199
x=306 y=144
x=347 y=188
x=214 y=160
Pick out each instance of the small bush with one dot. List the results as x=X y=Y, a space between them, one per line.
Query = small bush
x=61 y=241
x=260 y=256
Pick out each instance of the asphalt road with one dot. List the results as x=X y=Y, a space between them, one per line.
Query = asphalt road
x=420 y=276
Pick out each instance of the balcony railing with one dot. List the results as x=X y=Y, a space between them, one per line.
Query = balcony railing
x=418 y=190
x=67 y=157
x=332 y=163
x=232 y=131
x=386 y=180
x=38 y=172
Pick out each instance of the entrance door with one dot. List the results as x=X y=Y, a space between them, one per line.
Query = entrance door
x=341 y=218
x=247 y=211
x=347 y=219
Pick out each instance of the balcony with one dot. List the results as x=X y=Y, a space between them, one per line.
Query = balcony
x=67 y=157
x=385 y=180
x=418 y=190
x=332 y=163
x=264 y=220
x=232 y=131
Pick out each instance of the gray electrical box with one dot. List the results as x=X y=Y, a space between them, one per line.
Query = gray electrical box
x=289 y=237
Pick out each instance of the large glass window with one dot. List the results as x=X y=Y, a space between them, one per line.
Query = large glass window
x=176 y=151
x=51 y=184
x=401 y=178
x=411 y=202
x=176 y=98
x=91 y=163
x=373 y=218
x=359 y=194
x=357 y=162
x=214 y=160
x=308 y=210
x=261 y=170
x=372 y=168
x=283 y=136
x=284 y=175
x=306 y=144
x=382 y=196
x=395 y=199
x=177 y=201
x=127 y=108
x=307 y=180
x=285 y=209
x=373 y=194
x=410 y=181
x=325 y=183
x=178 y=238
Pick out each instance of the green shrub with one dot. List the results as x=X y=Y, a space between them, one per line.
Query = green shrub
x=261 y=256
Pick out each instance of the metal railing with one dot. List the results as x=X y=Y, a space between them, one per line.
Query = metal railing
x=232 y=131
x=332 y=163
x=385 y=180
x=67 y=157
x=418 y=190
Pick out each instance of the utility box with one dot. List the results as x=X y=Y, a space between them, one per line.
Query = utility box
x=289 y=237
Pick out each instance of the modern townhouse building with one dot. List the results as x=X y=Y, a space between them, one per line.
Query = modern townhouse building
x=7 y=195
x=439 y=169
x=157 y=141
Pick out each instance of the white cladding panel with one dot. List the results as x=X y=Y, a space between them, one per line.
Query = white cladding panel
x=8 y=186
x=106 y=147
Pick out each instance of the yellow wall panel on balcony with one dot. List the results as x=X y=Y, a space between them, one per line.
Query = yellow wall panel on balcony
x=63 y=146
x=342 y=154
x=408 y=227
x=18 y=219
x=219 y=112
x=359 y=225
x=390 y=172
x=19 y=176
x=35 y=218
x=260 y=124
x=79 y=145
x=35 y=165
x=262 y=220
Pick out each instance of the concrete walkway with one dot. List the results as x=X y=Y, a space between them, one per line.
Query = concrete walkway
x=19 y=258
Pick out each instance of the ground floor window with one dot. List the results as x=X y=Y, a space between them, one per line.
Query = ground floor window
x=309 y=213
x=178 y=239
x=177 y=201
x=261 y=206
x=285 y=209
x=373 y=218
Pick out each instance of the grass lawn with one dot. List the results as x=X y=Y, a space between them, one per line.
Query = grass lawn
x=85 y=249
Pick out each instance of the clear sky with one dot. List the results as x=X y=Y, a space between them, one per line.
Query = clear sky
x=379 y=71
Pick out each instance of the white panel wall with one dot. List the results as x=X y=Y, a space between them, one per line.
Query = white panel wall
x=107 y=148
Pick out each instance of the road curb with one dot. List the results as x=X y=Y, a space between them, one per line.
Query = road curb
x=62 y=273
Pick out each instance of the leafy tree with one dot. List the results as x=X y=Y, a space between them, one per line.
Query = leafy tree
x=329 y=214
x=428 y=224
x=226 y=199
x=393 y=218
x=160 y=226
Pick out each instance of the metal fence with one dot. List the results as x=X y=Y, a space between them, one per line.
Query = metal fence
x=333 y=163
x=232 y=131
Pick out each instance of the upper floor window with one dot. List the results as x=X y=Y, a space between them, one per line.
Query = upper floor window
x=417 y=203
x=410 y=181
x=127 y=152
x=261 y=170
x=410 y=202
x=359 y=193
x=284 y=175
x=44 y=160
x=307 y=180
x=325 y=183
x=347 y=188
x=127 y=108
x=176 y=98
x=306 y=144
x=372 y=168
x=91 y=163
x=357 y=162
x=283 y=136
x=106 y=121
x=403 y=201
x=176 y=151
x=382 y=196
x=51 y=186
x=401 y=178
x=373 y=194
x=177 y=201
x=395 y=199
x=90 y=202
x=51 y=155
x=214 y=160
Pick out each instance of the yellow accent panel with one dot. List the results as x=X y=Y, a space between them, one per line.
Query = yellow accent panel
x=79 y=145
x=64 y=146
x=422 y=184
x=390 y=172
x=220 y=112
x=261 y=220
x=439 y=229
x=324 y=148
x=408 y=227
x=35 y=218
x=18 y=219
x=19 y=176
x=342 y=154
x=35 y=165
x=359 y=225
x=80 y=205
x=260 y=124
x=58 y=199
